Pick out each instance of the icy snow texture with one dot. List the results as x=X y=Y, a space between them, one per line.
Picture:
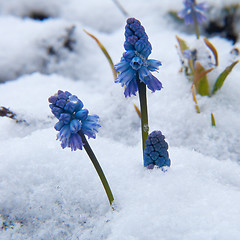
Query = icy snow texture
x=50 y=193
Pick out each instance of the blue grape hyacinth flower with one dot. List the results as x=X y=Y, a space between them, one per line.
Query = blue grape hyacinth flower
x=134 y=64
x=74 y=123
x=73 y=120
x=156 y=151
x=193 y=10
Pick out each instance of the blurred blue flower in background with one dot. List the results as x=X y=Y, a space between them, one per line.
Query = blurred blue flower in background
x=135 y=65
x=193 y=11
x=156 y=151
x=73 y=119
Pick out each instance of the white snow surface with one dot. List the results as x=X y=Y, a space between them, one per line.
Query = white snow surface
x=50 y=193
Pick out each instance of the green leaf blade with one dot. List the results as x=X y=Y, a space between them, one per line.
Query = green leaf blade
x=182 y=44
x=105 y=52
x=213 y=120
x=213 y=49
x=200 y=80
x=221 y=78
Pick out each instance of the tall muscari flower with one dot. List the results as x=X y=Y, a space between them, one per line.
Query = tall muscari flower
x=156 y=151
x=193 y=11
x=135 y=65
x=73 y=120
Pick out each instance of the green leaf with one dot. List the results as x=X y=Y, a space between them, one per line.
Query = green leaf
x=221 y=78
x=105 y=52
x=182 y=44
x=200 y=79
x=174 y=15
x=213 y=49
x=137 y=110
x=189 y=71
x=195 y=99
x=213 y=120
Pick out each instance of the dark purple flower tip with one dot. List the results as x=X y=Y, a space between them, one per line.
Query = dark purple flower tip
x=52 y=99
x=62 y=96
x=59 y=92
x=133 y=32
x=61 y=103
x=131 y=20
x=135 y=26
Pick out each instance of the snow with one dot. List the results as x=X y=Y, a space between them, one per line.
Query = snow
x=50 y=193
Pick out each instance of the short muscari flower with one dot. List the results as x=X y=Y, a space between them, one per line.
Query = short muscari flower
x=191 y=10
x=134 y=63
x=156 y=151
x=73 y=119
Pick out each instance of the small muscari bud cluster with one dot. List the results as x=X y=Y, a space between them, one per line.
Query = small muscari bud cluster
x=156 y=151
x=134 y=64
x=73 y=120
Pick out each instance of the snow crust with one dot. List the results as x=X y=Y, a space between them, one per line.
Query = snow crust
x=50 y=193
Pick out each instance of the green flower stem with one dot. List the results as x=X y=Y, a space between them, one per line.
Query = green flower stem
x=196 y=26
x=121 y=8
x=97 y=167
x=144 y=112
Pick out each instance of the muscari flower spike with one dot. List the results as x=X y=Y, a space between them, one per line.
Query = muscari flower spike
x=134 y=64
x=74 y=123
x=73 y=120
x=156 y=151
x=193 y=10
